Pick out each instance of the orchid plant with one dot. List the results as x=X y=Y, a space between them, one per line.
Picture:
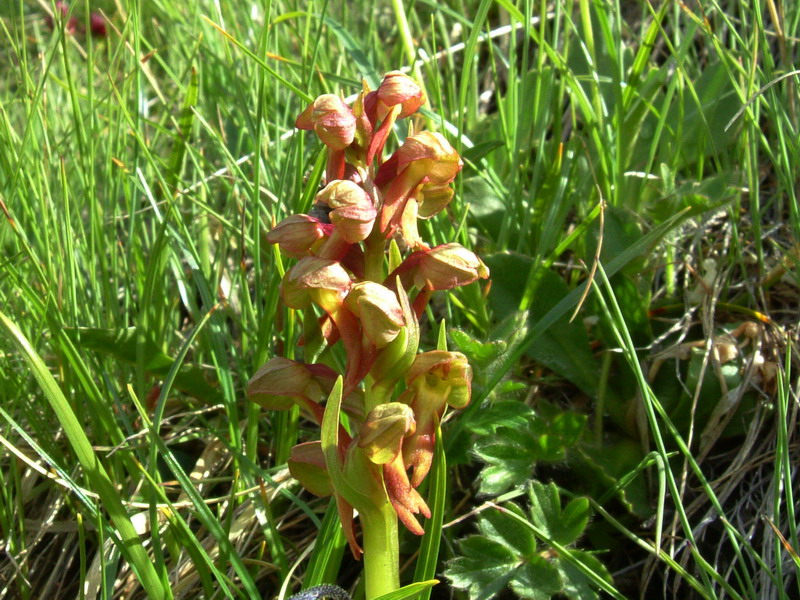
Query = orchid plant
x=364 y=268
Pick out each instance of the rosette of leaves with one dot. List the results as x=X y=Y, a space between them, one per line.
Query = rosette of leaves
x=529 y=553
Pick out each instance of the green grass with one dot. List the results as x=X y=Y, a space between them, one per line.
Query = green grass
x=140 y=172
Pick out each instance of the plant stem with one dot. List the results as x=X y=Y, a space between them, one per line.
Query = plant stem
x=381 y=550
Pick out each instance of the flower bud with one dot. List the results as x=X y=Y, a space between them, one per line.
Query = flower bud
x=97 y=25
x=448 y=266
x=299 y=235
x=381 y=435
x=331 y=119
x=398 y=89
x=281 y=382
x=318 y=280
x=378 y=309
x=353 y=211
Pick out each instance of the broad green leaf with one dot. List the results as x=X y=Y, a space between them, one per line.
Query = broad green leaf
x=505 y=413
x=562 y=527
x=498 y=526
x=484 y=567
x=576 y=585
x=565 y=348
x=537 y=580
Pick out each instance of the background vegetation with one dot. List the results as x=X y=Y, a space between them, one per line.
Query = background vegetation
x=641 y=152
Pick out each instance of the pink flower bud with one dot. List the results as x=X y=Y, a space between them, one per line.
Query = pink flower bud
x=318 y=280
x=398 y=89
x=299 y=235
x=353 y=212
x=378 y=309
x=448 y=266
x=331 y=119
x=97 y=25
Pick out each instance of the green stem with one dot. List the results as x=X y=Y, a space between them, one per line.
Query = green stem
x=381 y=551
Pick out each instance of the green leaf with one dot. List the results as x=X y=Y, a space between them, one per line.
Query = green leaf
x=564 y=348
x=475 y=350
x=506 y=413
x=498 y=526
x=576 y=585
x=512 y=445
x=505 y=555
x=121 y=344
x=412 y=590
x=510 y=456
x=562 y=527
x=484 y=568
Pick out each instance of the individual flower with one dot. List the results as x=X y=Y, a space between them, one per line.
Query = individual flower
x=282 y=382
x=381 y=438
x=318 y=280
x=424 y=158
x=299 y=235
x=331 y=119
x=436 y=379
x=445 y=267
x=97 y=25
x=397 y=97
x=353 y=211
x=378 y=310
x=335 y=124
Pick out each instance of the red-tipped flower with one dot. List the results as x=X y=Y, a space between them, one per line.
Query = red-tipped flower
x=397 y=97
x=299 y=235
x=424 y=158
x=331 y=119
x=353 y=211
